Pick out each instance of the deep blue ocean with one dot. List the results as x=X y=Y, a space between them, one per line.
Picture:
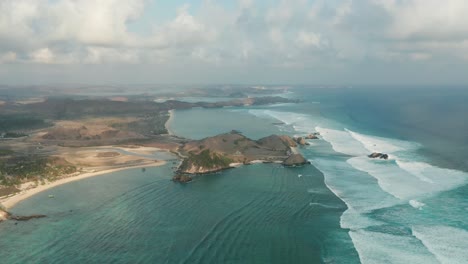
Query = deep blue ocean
x=344 y=208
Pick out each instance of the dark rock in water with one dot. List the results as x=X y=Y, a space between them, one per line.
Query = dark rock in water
x=182 y=178
x=25 y=218
x=301 y=141
x=295 y=160
x=378 y=155
x=311 y=136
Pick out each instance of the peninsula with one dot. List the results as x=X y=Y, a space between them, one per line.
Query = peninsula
x=232 y=149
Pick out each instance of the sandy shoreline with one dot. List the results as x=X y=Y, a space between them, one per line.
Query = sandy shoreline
x=168 y=122
x=11 y=201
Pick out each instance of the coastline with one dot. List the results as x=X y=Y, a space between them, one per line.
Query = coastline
x=10 y=202
x=168 y=122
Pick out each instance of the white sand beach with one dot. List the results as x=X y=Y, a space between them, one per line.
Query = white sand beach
x=169 y=121
x=11 y=201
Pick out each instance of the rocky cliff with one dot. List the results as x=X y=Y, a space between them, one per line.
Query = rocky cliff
x=222 y=151
x=295 y=160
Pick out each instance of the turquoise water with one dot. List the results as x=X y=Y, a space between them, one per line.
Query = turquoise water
x=345 y=208
x=411 y=208
x=199 y=123
x=253 y=214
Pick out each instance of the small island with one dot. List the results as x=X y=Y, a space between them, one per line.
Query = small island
x=232 y=149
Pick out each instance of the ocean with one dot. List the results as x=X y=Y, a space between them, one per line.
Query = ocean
x=344 y=208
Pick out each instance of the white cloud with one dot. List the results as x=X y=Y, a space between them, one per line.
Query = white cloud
x=296 y=33
x=17 y=17
x=43 y=55
x=427 y=19
x=419 y=56
x=184 y=30
x=245 y=3
x=342 y=11
x=7 y=57
x=310 y=39
x=98 y=55
x=92 y=22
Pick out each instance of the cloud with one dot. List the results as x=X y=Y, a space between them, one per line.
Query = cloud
x=91 y=22
x=310 y=39
x=7 y=57
x=292 y=34
x=427 y=19
x=184 y=31
x=44 y=55
x=98 y=55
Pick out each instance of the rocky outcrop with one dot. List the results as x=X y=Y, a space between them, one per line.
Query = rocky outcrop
x=379 y=155
x=295 y=160
x=301 y=141
x=205 y=161
x=312 y=136
x=26 y=218
x=289 y=141
x=275 y=142
x=182 y=178
x=4 y=215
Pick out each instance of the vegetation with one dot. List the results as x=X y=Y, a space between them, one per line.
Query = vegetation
x=6 y=152
x=19 y=122
x=149 y=125
x=12 y=135
x=7 y=191
x=206 y=159
x=15 y=170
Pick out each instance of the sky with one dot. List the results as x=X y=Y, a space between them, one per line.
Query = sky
x=414 y=42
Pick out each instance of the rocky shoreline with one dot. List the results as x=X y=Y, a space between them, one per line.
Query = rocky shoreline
x=233 y=149
x=5 y=215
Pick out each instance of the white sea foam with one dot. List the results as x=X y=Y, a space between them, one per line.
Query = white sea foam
x=416 y=204
x=375 y=247
x=360 y=192
x=366 y=185
x=285 y=117
x=448 y=244
x=324 y=206
x=383 y=145
x=406 y=180
x=443 y=179
x=342 y=141
x=415 y=168
x=303 y=123
x=354 y=220
x=392 y=179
